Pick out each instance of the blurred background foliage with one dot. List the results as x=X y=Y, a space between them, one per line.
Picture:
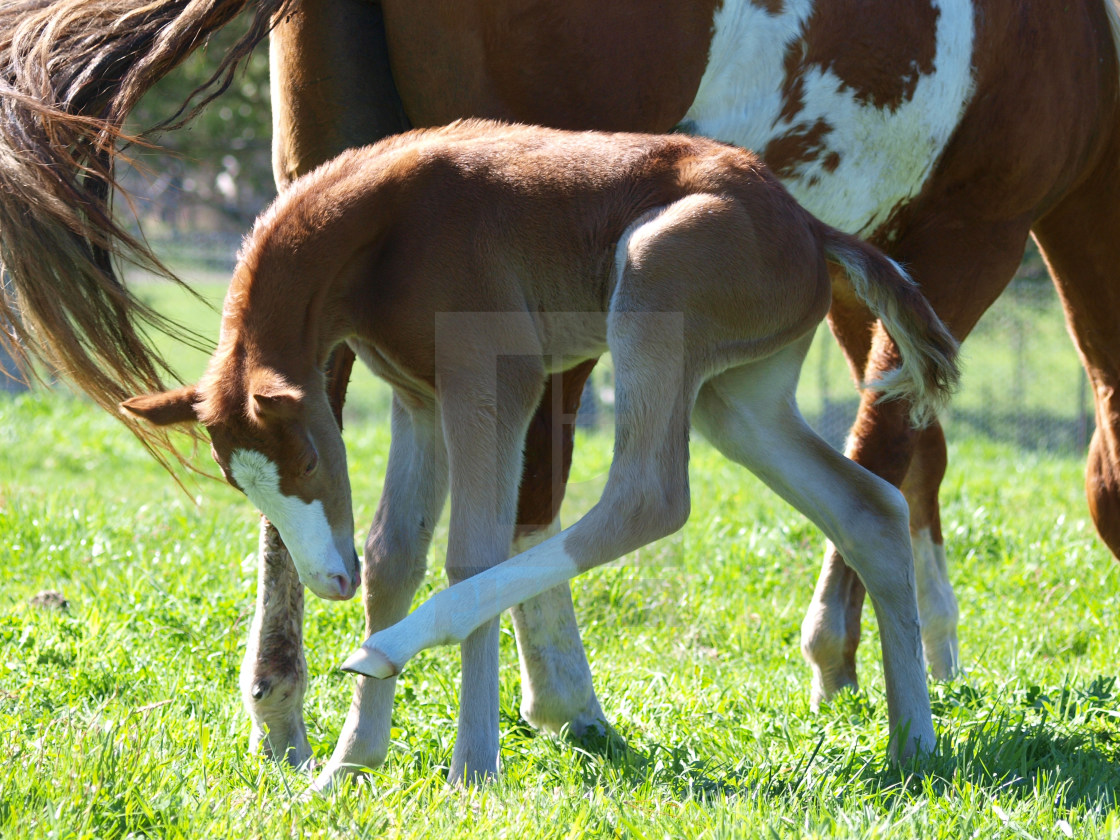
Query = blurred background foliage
x=200 y=188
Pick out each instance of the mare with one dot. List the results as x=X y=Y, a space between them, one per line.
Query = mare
x=944 y=131
x=466 y=264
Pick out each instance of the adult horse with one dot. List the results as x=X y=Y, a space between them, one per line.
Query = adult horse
x=946 y=131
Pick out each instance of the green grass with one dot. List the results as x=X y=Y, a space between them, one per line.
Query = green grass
x=120 y=716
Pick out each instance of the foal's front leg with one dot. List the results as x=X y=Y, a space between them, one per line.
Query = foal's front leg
x=484 y=452
x=395 y=560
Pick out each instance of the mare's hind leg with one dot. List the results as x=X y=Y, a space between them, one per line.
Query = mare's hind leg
x=331 y=90
x=557 y=692
x=750 y=415
x=1081 y=242
x=882 y=440
x=395 y=560
x=937 y=603
x=274 y=670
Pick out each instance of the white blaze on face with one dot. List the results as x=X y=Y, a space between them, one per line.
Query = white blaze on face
x=302 y=525
x=885 y=155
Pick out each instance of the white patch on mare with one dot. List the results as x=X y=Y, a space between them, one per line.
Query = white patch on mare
x=937 y=606
x=885 y=156
x=302 y=525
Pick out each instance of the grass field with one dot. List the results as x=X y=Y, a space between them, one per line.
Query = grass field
x=119 y=715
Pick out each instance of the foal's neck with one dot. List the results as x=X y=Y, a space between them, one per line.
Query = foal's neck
x=289 y=303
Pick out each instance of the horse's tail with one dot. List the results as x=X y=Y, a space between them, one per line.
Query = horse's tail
x=70 y=72
x=928 y=373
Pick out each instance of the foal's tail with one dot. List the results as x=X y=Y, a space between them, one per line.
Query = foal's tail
x=928 y=373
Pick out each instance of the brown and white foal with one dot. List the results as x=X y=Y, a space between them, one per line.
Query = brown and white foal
x=467 y=264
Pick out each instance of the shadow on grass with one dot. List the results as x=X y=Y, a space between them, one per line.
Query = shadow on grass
x=1072 y=763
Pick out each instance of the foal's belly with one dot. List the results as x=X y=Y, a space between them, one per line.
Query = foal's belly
x=850 y=102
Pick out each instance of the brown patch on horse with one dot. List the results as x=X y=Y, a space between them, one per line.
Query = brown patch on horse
x=611 y=66
x=800 y=145
x=882 y=67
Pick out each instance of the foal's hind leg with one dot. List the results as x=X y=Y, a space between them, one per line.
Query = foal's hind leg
x=882 y=440
x=749 y=414
x=1081 y=242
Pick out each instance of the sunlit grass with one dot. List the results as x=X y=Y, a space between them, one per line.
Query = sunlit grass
x=119 y=716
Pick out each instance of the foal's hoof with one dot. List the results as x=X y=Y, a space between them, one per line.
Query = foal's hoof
x=371 y=663
x=597 y=738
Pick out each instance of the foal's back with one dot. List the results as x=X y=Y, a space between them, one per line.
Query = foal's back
x=489 y=217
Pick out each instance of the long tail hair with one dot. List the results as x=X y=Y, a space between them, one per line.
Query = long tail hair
x=70 y=73
x=928 y=374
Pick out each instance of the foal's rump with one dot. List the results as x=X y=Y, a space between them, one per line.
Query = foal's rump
x=747 y=279
x=746 y=266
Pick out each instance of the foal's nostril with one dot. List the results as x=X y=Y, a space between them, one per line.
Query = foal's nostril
x=344 y=585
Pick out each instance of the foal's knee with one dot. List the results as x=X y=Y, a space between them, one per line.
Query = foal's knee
x=650 y=511
x=877 y=535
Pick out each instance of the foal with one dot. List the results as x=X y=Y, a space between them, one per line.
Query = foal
x=465 y=265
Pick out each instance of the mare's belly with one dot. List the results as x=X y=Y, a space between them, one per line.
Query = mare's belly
x=850 y=102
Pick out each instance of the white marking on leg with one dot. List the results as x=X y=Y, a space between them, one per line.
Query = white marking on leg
x=318 y=554
x=937 y=606
x=884 y=155
x=556 y=686
x=451 y=615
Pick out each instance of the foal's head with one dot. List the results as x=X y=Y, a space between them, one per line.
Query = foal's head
x=283 y=449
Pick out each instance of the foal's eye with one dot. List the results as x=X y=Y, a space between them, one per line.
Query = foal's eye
x=311 y=464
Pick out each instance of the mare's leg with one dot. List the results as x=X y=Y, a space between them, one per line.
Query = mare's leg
x=937 y=603
x=960 y=288
x=331 y=89
x=394 y=564
x=274 y=670
x=1080 y=239
x=555 y=678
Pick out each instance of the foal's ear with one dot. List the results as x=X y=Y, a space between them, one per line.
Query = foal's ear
x=175 y=406
x=282 y=405
x=271 y=397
